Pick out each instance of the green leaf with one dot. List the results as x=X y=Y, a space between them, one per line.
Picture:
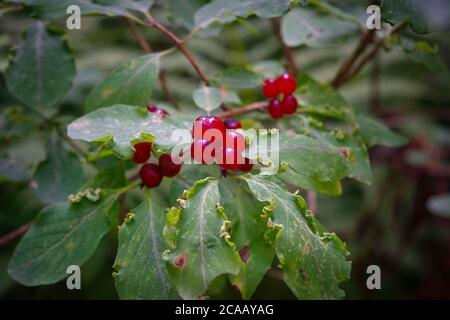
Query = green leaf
x=140 y=269
x=239 y=78
x=12 y=170
x=58 y=176
x=198 y=234
x=313 y=261
x=269 y=68
x=374 y=132
x=42 y=70
x=131 y=83
x=207 y=98
x=352 y=147
x=230 y=97
x=422 y=52
x=184 y=181
x=122 y=124
x=250 y=232
x=182 y=12
x=50 y=9
x=63 y=234
x=320 y=98
x=308 y=26
x=290 y=176
x=396 y=11
x=312 y=158
x=226 y=11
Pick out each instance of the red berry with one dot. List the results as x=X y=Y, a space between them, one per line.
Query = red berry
x=150 y=175
x=142 y=152
x=286 y=83
x=198 y=151
x=153 y=109
x=246 y=166
x=289 y=104
x=270 y=88
x=234 y=140
x=161 y=112
x=204 y=123
x=275 y=109
x=229 y=159
x=167 y=167
x=231 y=123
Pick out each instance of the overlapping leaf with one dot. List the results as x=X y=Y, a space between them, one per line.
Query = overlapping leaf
x=42 y=69
x=396 y=11
x=375 y=132
x=198 y=234
x=50 y=9
x=122 y=124
x=226 y=11
x=130 y=83
x=141 y=270
x=67 y=233
x=312 y=158
x=308 y=26
x=58 y=176
x=254 y=239
x=313 y=261
x=321 y=98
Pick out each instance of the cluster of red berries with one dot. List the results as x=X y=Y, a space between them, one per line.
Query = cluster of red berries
x=228 y=143
x=152 y=174
x=285 y=84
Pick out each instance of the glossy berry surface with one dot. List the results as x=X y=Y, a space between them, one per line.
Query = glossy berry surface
x=286 y=83
x=153 y=109
x=167 y=167
x=150 y=175
x=270 y=88
x=289 y=104
x=229 y=159
x=275 y=109
x=234 y=140
x=204 y=123
x=231 y=123
x=198 y=151
x=246 y=166
x=142 y=152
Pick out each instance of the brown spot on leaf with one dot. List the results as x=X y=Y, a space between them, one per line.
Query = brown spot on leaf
x=303 y=274
x=181 y=260
x=305 y=250
x=345 y=152
x=244 y=253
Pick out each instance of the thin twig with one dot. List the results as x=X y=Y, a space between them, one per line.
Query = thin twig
x=180 y=44
x=365 y=40
x=372 y=54
x=139 y=37
x=312 y=201
x=288 y=52
x=165 y=87
x=74 y=146
x=248 y=108
x=148 y=49
x=123 y=207
x=14 y=234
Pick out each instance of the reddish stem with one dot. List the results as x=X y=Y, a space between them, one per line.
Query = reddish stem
x=14 y=234
x=180 y=44
x=248 y=108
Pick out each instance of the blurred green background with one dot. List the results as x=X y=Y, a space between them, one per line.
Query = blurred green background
x=401 y=222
